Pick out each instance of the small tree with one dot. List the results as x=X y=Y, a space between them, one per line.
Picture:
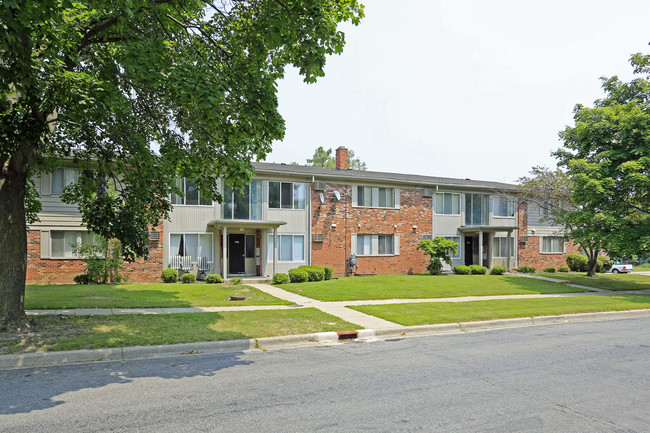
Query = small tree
x=324 y=158
x=438 y=249
x=103 y=260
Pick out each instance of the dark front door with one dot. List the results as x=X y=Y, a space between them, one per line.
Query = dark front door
x=237 y=254
x=469 y=250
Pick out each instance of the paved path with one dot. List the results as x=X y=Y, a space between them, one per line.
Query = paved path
x=335 y=308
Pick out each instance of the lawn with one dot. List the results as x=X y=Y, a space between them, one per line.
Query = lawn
x=53 y=333
x=155 y=295
x=453 y=312
x=423 y=286
x=604 y=281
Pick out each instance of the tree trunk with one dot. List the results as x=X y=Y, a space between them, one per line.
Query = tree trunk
x=592 y=255
x=13 y=246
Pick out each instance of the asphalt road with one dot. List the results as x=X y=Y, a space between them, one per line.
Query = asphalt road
x=577 y=377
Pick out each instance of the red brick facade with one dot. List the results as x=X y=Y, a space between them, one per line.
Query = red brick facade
x=62 y=271
x=415 y=210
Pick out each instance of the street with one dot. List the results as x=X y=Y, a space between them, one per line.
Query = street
x=587 y=377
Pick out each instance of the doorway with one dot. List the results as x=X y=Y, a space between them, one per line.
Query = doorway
x=469 y=250
x=236 y=254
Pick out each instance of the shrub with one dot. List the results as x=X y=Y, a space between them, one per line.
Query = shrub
x=213 y=279
x=82 y=279
x=169 y=275
x=315 y=273
x=603 y=264
x=328 y=272
x=298 y=275
x=103 y=260
x=461 y=270
x=526 y=269
x=188 y=278
x=498 y=270
x=236 y=281
x=563 y=269
x=477 y=270
x=435 y=266
x=577 y=263
x=280 y=278
x=549 y=270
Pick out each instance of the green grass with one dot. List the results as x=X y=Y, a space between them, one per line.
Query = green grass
x=156 y=295
x=643 y=267
x=454 y=312
x=604 y=281
x=423 y=286
x=54 y=333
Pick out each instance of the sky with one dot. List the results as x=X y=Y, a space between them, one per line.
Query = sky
x=461 y=88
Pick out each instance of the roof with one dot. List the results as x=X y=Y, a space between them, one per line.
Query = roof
x=323 y=173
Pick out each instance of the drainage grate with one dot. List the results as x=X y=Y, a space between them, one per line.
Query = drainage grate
x=347 y=335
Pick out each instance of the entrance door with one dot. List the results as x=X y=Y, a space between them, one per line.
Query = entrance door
x=236 y=254
x=469 y=250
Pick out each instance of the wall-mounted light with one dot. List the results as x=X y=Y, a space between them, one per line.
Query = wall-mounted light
x=359 y=225
x=415 y=227
x=333 y=226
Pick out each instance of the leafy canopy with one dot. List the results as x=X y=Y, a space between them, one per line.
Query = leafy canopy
x=325 y=158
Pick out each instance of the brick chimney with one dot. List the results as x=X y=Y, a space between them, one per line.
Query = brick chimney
x=341 y=158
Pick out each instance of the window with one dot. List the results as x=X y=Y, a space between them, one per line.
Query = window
x=190 y=194
x=457 y=240
x=63 y=244
x=476 y=209
x=62 y=177
x=286 y=195
x=194 y=245
x=552 y=244
x=291 y=248
x=447 y=203
x=243 y=204
x=503 y=206
x=250 y=246
x=500 y=245
x=384 y=245
x=375 y=197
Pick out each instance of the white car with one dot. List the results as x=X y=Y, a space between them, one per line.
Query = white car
x=617 y=269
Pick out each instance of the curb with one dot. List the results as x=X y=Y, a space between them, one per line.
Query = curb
x=44 y=359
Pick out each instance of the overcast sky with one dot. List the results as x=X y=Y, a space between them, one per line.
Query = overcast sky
x=461 y=88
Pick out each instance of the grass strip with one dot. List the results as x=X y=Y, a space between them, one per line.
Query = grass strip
x=453 y=312
x=54 y=333
x=424 y=286
x=604 y=281
x=155 y=295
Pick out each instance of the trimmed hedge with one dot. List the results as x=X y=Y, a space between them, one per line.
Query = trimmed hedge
x=498 y=270
x=477 y=270
x=236 y=281
x=577 y=263
x=328 y=272
x=549 y=270
x=188 y=278
x=563 y=269
x=280 y=278
x=298 y=275
x=213 y=279
x=526 y=269
x=461 y=270
x=315 y=273
x=169 y=275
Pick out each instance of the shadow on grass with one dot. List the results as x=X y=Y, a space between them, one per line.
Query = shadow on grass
x=605 y=281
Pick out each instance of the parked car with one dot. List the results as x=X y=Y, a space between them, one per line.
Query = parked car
x=617 y=269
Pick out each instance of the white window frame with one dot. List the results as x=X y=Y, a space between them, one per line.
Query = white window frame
x=279 y=246
x=294 y=185
x=64 y=170
x=374 y=196
x=457 y=239
x=250 y=201
x=79 y=238
x=374 y=244
x=435 y=201
x=496 y=204
x=184 y=196
x=542 y=242
x=198 y=234
x=502 y=254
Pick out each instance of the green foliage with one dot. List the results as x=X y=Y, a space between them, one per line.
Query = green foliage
x=325 y=158
x=498 y=270
x=549 y=269
x=563 y=269
x=461 y=270
x=328 y=272
x=188 y=278
x=280 y=279
x=169 y=275
x=526 y=269
x=236 y=281
x=603 y=264
x=577 y=262
x=298 y=275
x=214 y=279
x=438 y=249
x=315 y=273
x=103 y=260
x=477 y=270
x=82 y=279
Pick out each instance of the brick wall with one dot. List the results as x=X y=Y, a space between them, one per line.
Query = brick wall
x=414 y=210
x=62 y=271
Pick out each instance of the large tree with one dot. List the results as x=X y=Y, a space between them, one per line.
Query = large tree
x=324 y=158
x=136 y=93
